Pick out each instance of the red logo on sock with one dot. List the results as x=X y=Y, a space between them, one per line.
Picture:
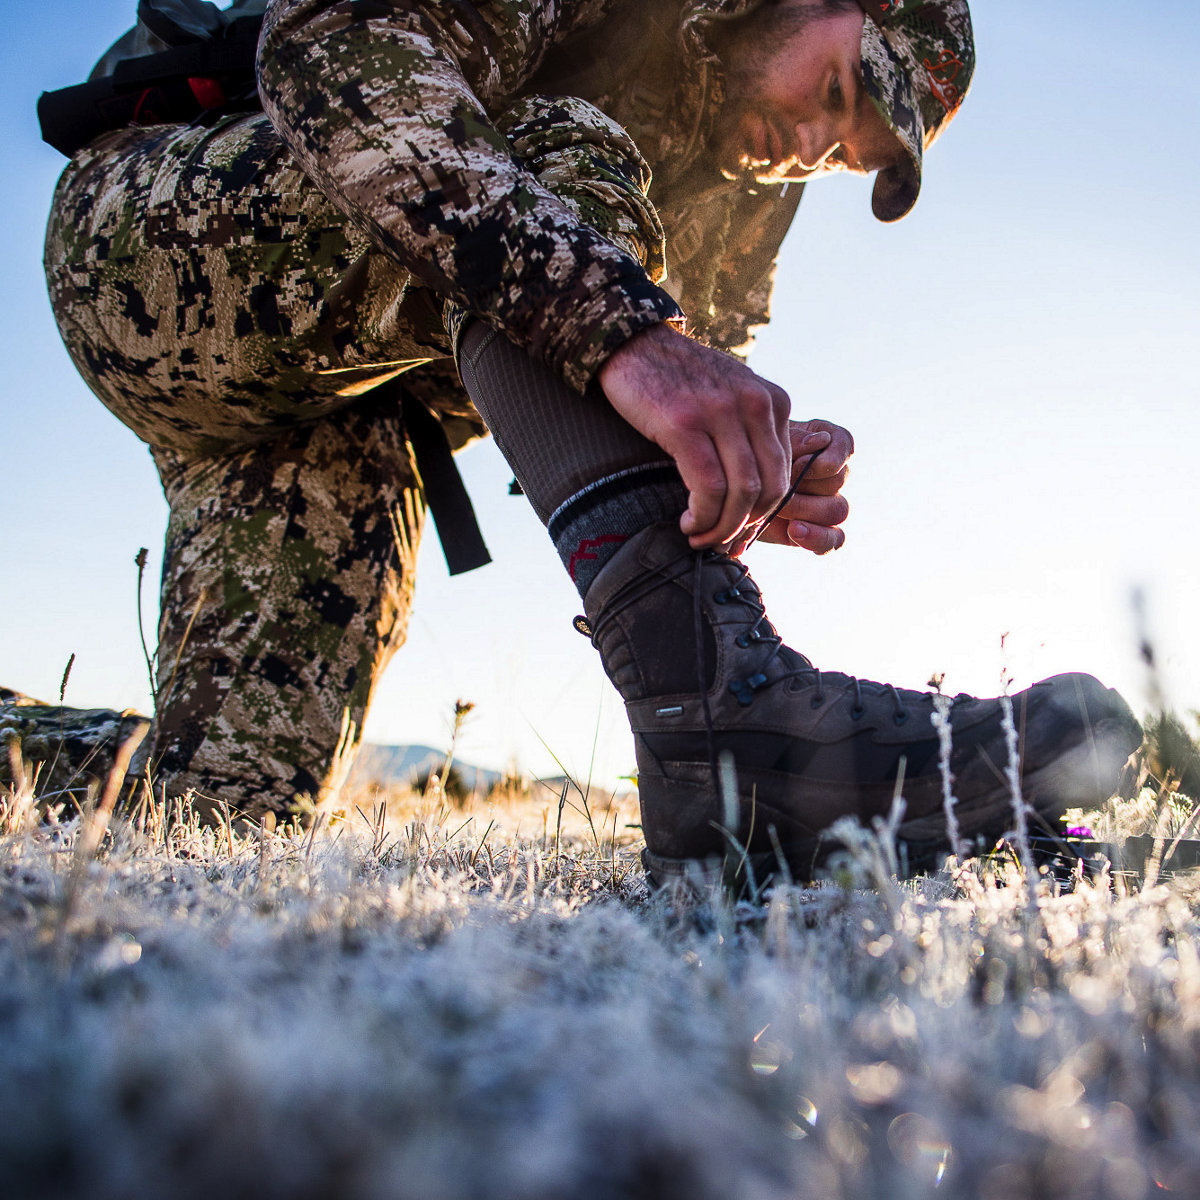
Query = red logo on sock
x=586 y=550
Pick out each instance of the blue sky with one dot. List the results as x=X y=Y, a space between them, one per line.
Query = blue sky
x=1018 y=360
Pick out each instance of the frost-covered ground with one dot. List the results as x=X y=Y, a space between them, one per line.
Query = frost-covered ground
x=443 y=1013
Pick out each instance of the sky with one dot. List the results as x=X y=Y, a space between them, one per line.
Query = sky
x=1018 y=361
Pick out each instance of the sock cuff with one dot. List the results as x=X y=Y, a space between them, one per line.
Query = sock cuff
x=652 y=476
x=591 y=526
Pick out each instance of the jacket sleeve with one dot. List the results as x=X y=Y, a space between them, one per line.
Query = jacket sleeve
x=391 y=107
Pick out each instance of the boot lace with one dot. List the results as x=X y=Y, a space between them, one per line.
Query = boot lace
x=759 y=631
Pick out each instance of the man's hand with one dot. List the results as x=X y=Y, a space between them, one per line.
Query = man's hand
x=726 y=428
x=811 y=517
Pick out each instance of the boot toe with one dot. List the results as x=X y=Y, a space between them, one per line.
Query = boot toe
x=1080 y=745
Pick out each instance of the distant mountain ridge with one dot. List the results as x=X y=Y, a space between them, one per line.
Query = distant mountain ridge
x=401 y=766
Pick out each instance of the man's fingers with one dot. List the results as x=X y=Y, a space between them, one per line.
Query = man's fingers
x=762 y=418
x=835 y=443
x=727 y=428
x=820 y=539
x=816 y=538
x=782 y=407
x=810 y=443
x=754 y=464
x=816 y=510
x=814 y=484
x=841 y=438
x=743 y=486
x=704 y=477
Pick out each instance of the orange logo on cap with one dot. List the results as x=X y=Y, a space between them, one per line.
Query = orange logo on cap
x=942 y=75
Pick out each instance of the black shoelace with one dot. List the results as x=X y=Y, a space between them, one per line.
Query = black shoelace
x=743 y=689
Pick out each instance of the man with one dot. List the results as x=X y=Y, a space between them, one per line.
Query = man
x=535 y=197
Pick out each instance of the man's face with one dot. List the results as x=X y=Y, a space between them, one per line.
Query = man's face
x=795 y=106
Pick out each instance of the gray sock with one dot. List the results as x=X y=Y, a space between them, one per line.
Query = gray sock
x=590 y=527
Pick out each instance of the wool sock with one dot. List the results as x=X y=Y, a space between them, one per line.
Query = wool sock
x=590 y=527
x=591 y=478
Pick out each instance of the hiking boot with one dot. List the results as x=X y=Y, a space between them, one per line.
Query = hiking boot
x=684 y=637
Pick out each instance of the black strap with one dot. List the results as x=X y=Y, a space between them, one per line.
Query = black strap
x=445 y=493
x=152 y=89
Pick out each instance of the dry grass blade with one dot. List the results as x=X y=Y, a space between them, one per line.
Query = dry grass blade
x=266 y=830
x=140 y=562
x=17 y=808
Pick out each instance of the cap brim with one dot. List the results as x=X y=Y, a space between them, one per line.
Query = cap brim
x=888 y=85
x=895 y=192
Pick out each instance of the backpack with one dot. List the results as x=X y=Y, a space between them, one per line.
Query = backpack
x=183 y=59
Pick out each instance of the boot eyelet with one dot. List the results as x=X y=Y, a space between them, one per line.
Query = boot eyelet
x=856 y=713
x=743 y=640
x=744 y=689
x=900 y=718
x=726 y=595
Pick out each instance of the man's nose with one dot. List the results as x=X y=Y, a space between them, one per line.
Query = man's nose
x=815 y=142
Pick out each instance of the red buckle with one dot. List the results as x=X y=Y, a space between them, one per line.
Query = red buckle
x=208 y=92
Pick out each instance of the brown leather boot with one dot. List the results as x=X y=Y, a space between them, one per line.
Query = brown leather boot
x=684 y=637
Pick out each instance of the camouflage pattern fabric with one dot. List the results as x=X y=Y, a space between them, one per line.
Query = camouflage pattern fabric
x=200 y=286
x=287 y=584
x=355 y=91
x=237 y=292
x=384 y=108
x=63 y=752
x=220 y=306
x=211 y=296
x=918 y=59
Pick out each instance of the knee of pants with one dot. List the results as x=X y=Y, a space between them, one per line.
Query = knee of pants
x=209 y=293
x=287 y=583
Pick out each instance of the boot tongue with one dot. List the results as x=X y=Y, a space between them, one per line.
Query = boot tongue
x=664 y=631
x=793 y=660
x=632 y=565
x=642 y=609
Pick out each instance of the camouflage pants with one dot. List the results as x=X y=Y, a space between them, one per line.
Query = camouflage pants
x=221 y=307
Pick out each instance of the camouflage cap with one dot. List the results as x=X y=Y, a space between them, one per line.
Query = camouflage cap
x=918 y=57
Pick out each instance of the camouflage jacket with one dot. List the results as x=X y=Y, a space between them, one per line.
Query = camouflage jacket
x=399 y=110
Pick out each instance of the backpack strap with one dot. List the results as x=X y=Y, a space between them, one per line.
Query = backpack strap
x=173 y=86
x=445 y=492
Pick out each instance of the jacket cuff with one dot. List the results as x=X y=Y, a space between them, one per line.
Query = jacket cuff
x=594 y=331
x=580 y=335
